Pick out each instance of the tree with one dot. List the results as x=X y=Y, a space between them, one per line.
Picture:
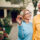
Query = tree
x=35 y=5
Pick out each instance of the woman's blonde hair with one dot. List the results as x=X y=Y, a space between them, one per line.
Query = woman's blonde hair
x=24 y=12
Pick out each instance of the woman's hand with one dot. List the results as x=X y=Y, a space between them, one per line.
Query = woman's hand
x=19 y=19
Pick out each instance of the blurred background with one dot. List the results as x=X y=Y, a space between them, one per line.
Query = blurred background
x=9 y=9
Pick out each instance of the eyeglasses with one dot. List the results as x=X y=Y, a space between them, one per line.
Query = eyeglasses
x=27 y=13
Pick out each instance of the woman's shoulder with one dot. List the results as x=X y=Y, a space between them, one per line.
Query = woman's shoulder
x=23 y=22
x=30 y=23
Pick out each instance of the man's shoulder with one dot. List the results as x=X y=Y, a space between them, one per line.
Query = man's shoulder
x=35 y=16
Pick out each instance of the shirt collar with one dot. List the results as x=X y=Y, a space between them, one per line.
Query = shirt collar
x=38 y=12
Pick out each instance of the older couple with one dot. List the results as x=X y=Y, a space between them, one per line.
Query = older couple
x=26 y=29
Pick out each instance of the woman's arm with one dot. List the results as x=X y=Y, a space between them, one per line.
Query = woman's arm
x=20 y=32
x=19 y=21
x=34 y=29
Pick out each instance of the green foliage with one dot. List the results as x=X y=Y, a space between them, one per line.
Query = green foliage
x=35 y=2
x=35 y=5
x=17 y=1
x=7 y=0
x=5 y=24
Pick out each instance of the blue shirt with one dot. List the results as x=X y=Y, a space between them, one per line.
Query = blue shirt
x=25 y=31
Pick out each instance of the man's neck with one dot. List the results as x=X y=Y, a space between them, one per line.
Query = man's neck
x=39 y=10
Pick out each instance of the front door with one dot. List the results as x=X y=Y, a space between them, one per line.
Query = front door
x=14 y=15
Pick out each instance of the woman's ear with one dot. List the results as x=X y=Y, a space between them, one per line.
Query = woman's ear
x=23 y=18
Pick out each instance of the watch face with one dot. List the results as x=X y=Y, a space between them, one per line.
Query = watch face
x=20 y=18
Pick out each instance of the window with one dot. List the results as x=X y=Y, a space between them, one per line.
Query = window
x=8 y=13
x=1 y=13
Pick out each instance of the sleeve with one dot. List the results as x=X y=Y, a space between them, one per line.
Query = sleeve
x=20 y=32
x=34 y=29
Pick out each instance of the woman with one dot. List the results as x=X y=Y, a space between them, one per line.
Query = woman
x=25 y=30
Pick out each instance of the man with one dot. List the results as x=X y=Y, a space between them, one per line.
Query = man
x=36 y=25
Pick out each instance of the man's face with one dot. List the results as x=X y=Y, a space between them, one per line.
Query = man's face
x=39 y=6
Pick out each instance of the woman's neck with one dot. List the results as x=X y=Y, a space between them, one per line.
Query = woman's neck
x=27 y=21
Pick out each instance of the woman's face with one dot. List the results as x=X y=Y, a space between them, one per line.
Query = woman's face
x=27 y=15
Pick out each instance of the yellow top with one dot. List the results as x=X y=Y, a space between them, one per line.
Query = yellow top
x=36 y=27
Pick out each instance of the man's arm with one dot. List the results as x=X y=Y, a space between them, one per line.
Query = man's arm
x=34 y=29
